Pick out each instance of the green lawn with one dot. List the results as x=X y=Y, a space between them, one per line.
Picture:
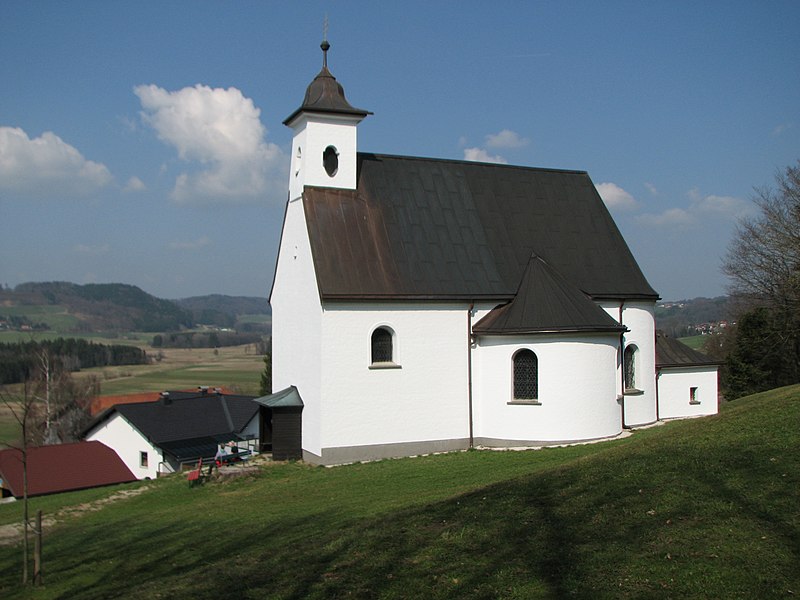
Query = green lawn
x=702 y=508
x=695 y=341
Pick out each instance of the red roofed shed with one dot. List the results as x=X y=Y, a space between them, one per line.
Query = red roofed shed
x=62 y=468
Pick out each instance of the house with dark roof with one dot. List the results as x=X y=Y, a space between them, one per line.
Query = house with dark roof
x=427 y=305
x=61 y=468
x=154 y=438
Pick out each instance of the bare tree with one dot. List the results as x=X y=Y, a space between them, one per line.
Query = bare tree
x=763 y=260
x=763 y=263
x=24 y=407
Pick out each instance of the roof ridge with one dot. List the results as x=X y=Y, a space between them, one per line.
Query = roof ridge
x=471 y=162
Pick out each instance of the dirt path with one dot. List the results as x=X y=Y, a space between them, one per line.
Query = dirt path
x=12 y=533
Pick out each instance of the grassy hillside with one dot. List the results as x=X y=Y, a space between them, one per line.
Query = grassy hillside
x=705 y=508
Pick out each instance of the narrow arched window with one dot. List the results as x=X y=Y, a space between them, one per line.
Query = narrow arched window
x=630 y=367
x=382 y=345
x=526 y=376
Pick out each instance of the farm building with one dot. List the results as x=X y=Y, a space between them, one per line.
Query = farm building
x=61 y=468
x=159 y=437
x=425 y=305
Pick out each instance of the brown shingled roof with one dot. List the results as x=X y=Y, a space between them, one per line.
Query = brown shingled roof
x=546 y=303
x=673 y=353
x=420 y=228
x=62 y=468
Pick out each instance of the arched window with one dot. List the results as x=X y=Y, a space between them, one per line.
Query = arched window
x=526 y=376
x=382 y=345
x=630 y=367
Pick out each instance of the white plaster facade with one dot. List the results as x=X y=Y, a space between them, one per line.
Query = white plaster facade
x=577 y=397
x=121 y=436
x=687 y=392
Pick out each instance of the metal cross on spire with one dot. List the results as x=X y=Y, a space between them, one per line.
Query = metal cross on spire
x=325 y=45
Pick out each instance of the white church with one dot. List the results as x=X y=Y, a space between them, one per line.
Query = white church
x=424 y=305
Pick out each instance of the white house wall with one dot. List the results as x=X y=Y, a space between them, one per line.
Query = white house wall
x=639 y=318
x=422 y=405
x=120 y=435
x=577 y=390
x=296 y=322
x=674 y=386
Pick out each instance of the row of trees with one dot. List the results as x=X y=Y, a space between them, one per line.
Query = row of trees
x=763 y=264
x=20 y=361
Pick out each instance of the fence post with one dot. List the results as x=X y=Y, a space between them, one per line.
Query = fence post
x=37 y=550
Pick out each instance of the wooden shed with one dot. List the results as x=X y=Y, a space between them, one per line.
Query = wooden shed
x=282 y=424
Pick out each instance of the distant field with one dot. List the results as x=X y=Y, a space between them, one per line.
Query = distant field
x=57 y=317
x=695 y=341
x=237 y=368
x=254 y=319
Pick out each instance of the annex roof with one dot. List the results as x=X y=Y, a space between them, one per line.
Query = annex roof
x=62 y=468
x=673 y=353
x=432 y=229
x=186 y=416
x=285 y=398
x=546 y=303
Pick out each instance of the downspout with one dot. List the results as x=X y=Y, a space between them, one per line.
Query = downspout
x=469 y=372
x=622 y=365
x=658 y=412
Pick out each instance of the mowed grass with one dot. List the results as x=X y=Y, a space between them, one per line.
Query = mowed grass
x=703 y=508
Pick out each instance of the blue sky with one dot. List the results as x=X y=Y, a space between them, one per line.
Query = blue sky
x=142 y=142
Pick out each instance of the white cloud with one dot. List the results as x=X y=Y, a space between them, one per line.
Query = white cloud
x=651 y=188
x=673 y=217
x=190 y=245
x=134 y=185
x=220 y=129
x=47 y=165
x=480 y=155
x=615 y=197
x=506 y=139
x=725 y=206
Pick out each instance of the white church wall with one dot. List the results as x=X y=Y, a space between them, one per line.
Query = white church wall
x=420 y=402
x=639 y=318
x=297 y=322
x=675 y=396
x=118 y=434
x=313 y=134
x=577 y=390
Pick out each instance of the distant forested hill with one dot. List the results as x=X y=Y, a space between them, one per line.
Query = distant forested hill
x=93 y=307
x=223 y=311
x=689 y=317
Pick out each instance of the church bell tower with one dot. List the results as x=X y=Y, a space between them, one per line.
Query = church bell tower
x=325 y=142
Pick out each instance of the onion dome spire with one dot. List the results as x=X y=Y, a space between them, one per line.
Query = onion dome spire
x=326 y=95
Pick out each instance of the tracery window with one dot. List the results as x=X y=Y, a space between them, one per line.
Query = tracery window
x=526 y=376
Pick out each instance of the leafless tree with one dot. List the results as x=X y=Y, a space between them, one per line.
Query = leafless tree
x=24 y=407
x=763 y=262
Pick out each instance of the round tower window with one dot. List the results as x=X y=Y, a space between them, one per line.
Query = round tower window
x=330 y=160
